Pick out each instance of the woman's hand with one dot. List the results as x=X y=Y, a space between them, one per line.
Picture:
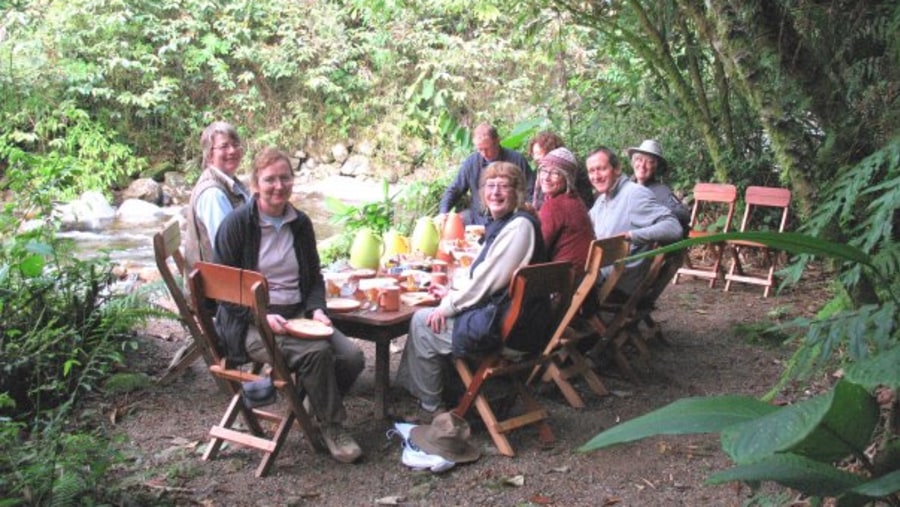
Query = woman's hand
x=320 y=316
x=436 y=321
x=438 y=290
x=276 y=323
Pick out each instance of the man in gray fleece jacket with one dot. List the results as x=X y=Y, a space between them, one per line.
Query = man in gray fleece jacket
x=625 y=207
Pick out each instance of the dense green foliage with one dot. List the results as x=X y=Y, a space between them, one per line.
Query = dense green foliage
x=813 y=445
x=64 y=332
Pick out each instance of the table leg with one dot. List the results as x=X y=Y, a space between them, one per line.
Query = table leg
x=382 y=376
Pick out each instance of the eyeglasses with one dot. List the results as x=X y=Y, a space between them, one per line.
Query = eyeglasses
x=503 y=187
x=550 y=173
x=285 y=179
x=225 y=146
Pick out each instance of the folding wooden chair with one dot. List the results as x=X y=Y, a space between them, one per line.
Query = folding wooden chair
x=550 y=282
x=213 y=282
x=672 y=262
x=562 y=358
x=756 y=198
x=619 y=326
x=166 y=245
x=709 y=198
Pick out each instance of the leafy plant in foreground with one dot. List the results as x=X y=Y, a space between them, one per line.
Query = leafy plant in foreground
x=64 y=330
x=805 y=445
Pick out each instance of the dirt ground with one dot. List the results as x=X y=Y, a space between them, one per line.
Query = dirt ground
x=163 y=429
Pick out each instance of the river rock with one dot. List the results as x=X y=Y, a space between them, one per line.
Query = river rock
x=144 y=189
x=340 y=152
x=90 y=212
x=357 y=166
x=365 y=147
x=138 y=211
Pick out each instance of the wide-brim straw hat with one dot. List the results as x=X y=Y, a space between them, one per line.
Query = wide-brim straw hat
x=447 y=436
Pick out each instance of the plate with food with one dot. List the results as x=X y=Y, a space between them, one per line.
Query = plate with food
x=308 y=329
x=363 y=273
x=342 y=305
x=419 y=299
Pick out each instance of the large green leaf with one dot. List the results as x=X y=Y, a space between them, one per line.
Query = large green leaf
x=685 y=416
x=877 y=370
x=32 y=266
x=797 y=472
x=826 y=427
x=883 y=486
x=792 y=242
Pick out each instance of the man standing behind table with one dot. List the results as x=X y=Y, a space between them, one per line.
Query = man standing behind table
x=216 y=192
x=488 y=149
x=625 y=207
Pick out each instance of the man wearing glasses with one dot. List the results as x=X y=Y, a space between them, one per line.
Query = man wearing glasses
x=217 y=191
x=487 y=150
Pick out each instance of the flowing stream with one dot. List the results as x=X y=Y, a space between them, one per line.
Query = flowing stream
x=131 y=244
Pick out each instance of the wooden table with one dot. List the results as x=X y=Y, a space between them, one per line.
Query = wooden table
x=379 y=327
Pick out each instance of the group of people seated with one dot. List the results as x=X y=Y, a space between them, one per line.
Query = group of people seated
x=528 y=218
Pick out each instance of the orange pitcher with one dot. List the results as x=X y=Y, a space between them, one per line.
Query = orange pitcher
x=453 y=227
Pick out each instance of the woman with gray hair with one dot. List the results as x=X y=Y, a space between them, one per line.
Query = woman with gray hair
x=647 y=161
x=216 y=192
x=512 y=240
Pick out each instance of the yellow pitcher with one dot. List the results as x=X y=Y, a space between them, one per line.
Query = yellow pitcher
x=395 y=244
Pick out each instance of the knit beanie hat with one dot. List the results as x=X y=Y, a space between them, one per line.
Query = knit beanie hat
x=563 y=161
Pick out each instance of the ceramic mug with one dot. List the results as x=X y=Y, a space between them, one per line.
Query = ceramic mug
x=389 y=298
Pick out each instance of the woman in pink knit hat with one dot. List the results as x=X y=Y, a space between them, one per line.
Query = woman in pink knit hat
x=565 y=223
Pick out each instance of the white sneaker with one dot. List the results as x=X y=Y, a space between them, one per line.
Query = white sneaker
x=416 y=458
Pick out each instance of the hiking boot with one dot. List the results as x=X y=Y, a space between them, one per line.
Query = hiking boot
x=340 y=444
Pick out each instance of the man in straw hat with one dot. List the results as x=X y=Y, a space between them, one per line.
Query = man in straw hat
x=448 y=437
x=624 y=207
x=647 y=160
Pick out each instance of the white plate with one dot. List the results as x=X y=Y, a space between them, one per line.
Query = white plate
x=342 y=305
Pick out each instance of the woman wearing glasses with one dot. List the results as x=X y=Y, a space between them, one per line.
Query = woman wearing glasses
x=512 y=240
x=271 y=236
x=217 y=191
x=565 y=223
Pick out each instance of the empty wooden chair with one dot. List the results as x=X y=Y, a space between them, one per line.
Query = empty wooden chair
x=563 y=359
x=757 y=198
x=713 y=204
x=551 y=282
x=166 y=248
x=213 y=282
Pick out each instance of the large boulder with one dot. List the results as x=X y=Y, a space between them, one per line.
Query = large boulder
x=138 y=211
x=340 y=152
x=91 y=211
x=357 y=166
x=144 y=189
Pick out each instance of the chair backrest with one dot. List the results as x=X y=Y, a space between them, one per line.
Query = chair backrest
x=705 y=193
x=166 y=245
x=217 y=283
x=603 y=252
x=770 y=197
x=550 y=281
